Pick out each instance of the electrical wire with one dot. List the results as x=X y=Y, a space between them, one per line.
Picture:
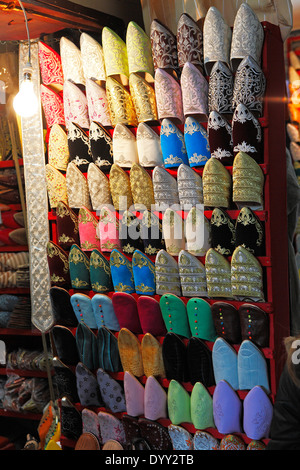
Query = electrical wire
x=27 y=29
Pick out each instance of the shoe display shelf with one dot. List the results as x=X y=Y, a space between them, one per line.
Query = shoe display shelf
x=273 y=217
x=13 y=207
x=13 y=248
x=14 y=337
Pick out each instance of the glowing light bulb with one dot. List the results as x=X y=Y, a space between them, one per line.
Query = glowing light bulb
x=25 y=102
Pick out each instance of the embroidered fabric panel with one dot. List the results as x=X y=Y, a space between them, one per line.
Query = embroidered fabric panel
x=37 y=203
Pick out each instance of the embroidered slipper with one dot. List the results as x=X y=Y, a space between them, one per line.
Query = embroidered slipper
x=100 y=275
x=98 y=186
x=97 y=102
x=67 y=226
x=79 y=265
x=87 y=225
x=111 y=391
x=87 y=387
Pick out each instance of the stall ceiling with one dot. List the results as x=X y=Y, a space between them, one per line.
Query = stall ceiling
x=46 y=17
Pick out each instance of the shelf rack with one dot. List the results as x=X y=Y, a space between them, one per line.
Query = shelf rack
x=274 y=216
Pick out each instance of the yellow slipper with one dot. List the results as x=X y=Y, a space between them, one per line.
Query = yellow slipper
x=152 y=356
x=130 y=352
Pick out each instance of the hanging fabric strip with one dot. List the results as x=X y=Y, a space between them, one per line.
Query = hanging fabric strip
x=36 y=201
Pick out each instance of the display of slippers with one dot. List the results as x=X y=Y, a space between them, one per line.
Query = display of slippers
x=159 y=338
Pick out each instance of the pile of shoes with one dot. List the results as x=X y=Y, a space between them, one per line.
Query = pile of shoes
x=15 y=311
x=9 y=191
x=10 y=265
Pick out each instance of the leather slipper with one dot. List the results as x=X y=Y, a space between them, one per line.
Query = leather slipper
x=108 y=350
x=199 y=360
x=257 y=416
x=200 y=319
x=83 y=310
x=225 y=363
x=175 y=358
x=61 y=307
x=104 y=312
x=252 y=367
x=174 y=314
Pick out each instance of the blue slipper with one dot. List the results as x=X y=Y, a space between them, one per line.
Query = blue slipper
x=172 y=145
x=86 y=342
x=181 y=438
x=196 y=142
x=227 y=409
x=83 y=310
x=225 y=362
x=79 y=266
x=258 y=412
x=144 y=274
x=108 y=351
x=252 y=367
x=104 y=312
x=8 y=302
x=121 y=273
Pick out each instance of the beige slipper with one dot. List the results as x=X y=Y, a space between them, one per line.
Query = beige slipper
x=130 y=352
x=152 y=356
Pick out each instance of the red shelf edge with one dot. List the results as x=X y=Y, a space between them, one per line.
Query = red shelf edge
x=10 y=163
x=20 y=414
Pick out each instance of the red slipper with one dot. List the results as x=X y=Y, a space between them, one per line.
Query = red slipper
x=12 y=237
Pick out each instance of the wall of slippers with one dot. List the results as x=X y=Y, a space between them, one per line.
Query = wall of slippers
x=159 y=186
